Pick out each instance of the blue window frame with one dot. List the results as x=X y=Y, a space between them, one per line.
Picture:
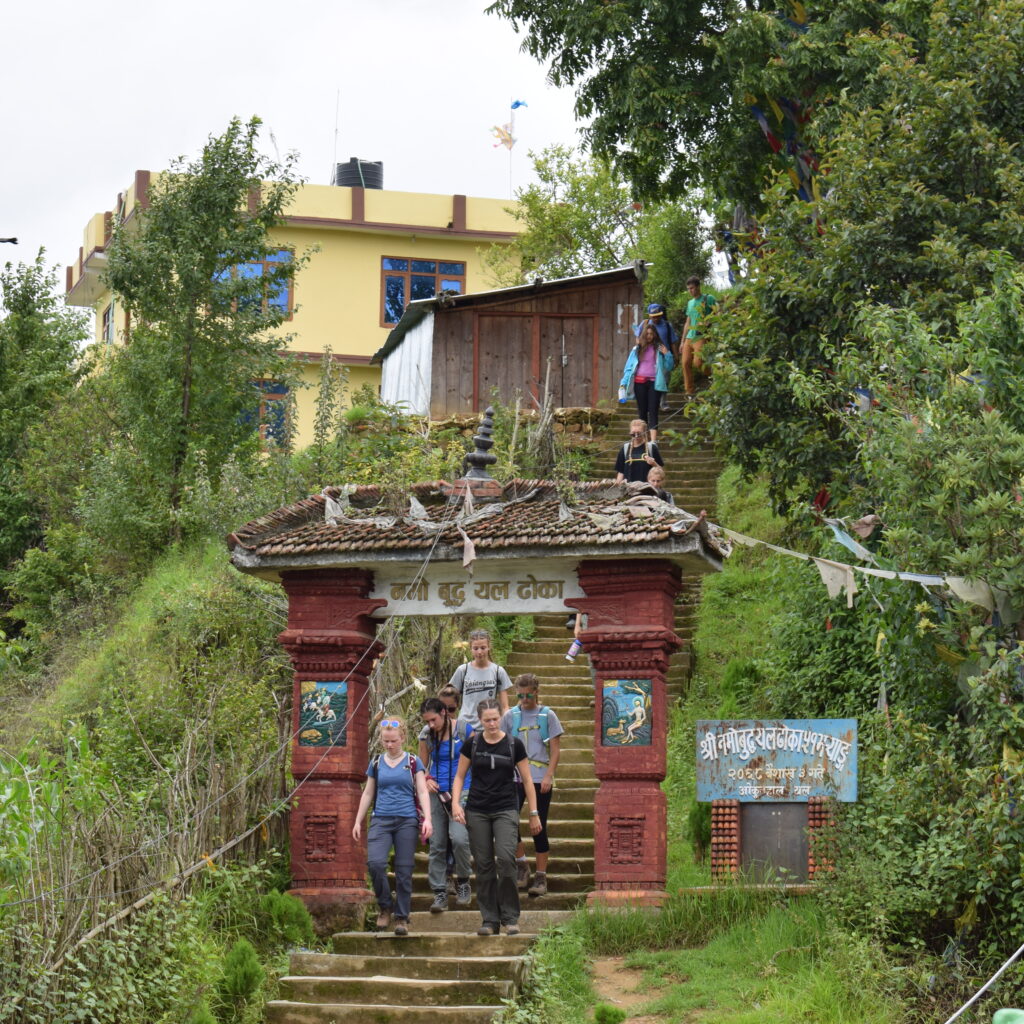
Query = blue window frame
x=271 y=412
x=404 y=279
x=276 y=295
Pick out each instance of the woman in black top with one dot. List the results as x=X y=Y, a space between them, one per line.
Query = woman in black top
x=492 y=816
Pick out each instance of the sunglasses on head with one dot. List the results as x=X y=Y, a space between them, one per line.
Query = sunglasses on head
x=390 y=723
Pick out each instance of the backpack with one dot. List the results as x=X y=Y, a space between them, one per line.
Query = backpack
x=411 y=764
x=542 y=723
x=458 y=725
x=625 y=455
x=494 y=759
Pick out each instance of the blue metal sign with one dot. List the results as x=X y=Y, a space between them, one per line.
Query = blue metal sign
x=788 y=760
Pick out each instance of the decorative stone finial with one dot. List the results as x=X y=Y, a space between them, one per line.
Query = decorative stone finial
x=481 y=457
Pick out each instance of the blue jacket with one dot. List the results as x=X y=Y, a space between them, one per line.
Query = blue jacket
x=664 y=364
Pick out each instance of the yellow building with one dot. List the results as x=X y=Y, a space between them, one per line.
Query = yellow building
x=378 y=250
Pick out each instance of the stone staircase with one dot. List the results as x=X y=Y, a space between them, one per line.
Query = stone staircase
x=442 y=971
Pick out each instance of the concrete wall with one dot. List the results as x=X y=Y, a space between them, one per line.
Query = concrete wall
x=337 y=297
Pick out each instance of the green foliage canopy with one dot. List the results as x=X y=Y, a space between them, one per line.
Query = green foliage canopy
x=39 y=341
x=646 y=75
x=924 y=185
x=186 y=270
x=579 y=219
x=666 y=86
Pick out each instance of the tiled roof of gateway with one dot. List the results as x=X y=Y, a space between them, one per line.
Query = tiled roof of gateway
x=528 y=514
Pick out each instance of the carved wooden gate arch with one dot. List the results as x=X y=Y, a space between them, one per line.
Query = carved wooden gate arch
x=346 y=564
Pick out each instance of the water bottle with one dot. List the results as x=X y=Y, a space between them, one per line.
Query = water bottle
x=574 y=648
x=622 y=395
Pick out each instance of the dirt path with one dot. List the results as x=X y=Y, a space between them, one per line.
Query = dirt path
x=618 y=985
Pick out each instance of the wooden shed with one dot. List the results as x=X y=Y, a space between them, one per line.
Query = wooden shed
x=450 y=354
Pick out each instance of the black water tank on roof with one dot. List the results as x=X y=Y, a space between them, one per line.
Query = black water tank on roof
x=365 y=173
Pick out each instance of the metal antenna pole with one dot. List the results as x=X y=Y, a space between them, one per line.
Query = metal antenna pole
x=512 y=138
x=337 y=109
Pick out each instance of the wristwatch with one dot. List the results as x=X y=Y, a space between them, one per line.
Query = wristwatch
x=534 y=814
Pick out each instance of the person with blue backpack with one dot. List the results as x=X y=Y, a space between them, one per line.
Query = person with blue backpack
x=540 y=730
x=440 y=743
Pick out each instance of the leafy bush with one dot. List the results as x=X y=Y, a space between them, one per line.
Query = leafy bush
x=285 y=919
x=243 y=973
x=827 y=660
x=202 y=1015
x=932 y=850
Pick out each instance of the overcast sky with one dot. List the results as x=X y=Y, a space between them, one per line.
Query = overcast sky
x=95 y=89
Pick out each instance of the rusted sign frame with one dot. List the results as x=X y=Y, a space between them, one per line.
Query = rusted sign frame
x=777 y=760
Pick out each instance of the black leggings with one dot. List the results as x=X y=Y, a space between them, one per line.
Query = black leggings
x=648 y=399
x=540 y=840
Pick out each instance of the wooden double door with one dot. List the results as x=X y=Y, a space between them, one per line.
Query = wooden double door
x=519 y=352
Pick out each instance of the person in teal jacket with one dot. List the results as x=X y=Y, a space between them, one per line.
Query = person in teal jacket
x=646 y=375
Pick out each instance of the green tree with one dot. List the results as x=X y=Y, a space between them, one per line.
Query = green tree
x=39 y=341
x=203 y=285
x=923 y=196
x=578 y=218
x=646 y=75
x=666 y=87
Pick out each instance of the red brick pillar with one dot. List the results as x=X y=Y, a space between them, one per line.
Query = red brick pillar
x=630 y=604
x=330 y=638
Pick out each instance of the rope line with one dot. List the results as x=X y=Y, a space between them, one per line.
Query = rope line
x=450 y=514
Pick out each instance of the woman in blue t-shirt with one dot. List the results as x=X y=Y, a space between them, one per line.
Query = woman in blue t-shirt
x=395 y=781
x=441 y=742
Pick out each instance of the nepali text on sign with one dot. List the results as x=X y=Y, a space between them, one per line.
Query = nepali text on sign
x=509 y=590
x=785 y=760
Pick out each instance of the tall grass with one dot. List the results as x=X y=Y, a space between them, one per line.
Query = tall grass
x=685 y=919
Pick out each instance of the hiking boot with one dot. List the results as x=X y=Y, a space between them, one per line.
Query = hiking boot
x=522 y=874
x=487 y=929
x=401 y=926
x=384 y=919
x=440 y=904
x=463 y=894
x=511 y=929
x=540 y=884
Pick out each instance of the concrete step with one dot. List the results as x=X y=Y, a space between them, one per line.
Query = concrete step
x=567 y=900
x=281 y=1011
x=437 y=943
x=549 y=663
x=576 y=772
x=396 y=962
x=550 y=640
x=388 y=990
x=565 y=873
x=531 y=921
